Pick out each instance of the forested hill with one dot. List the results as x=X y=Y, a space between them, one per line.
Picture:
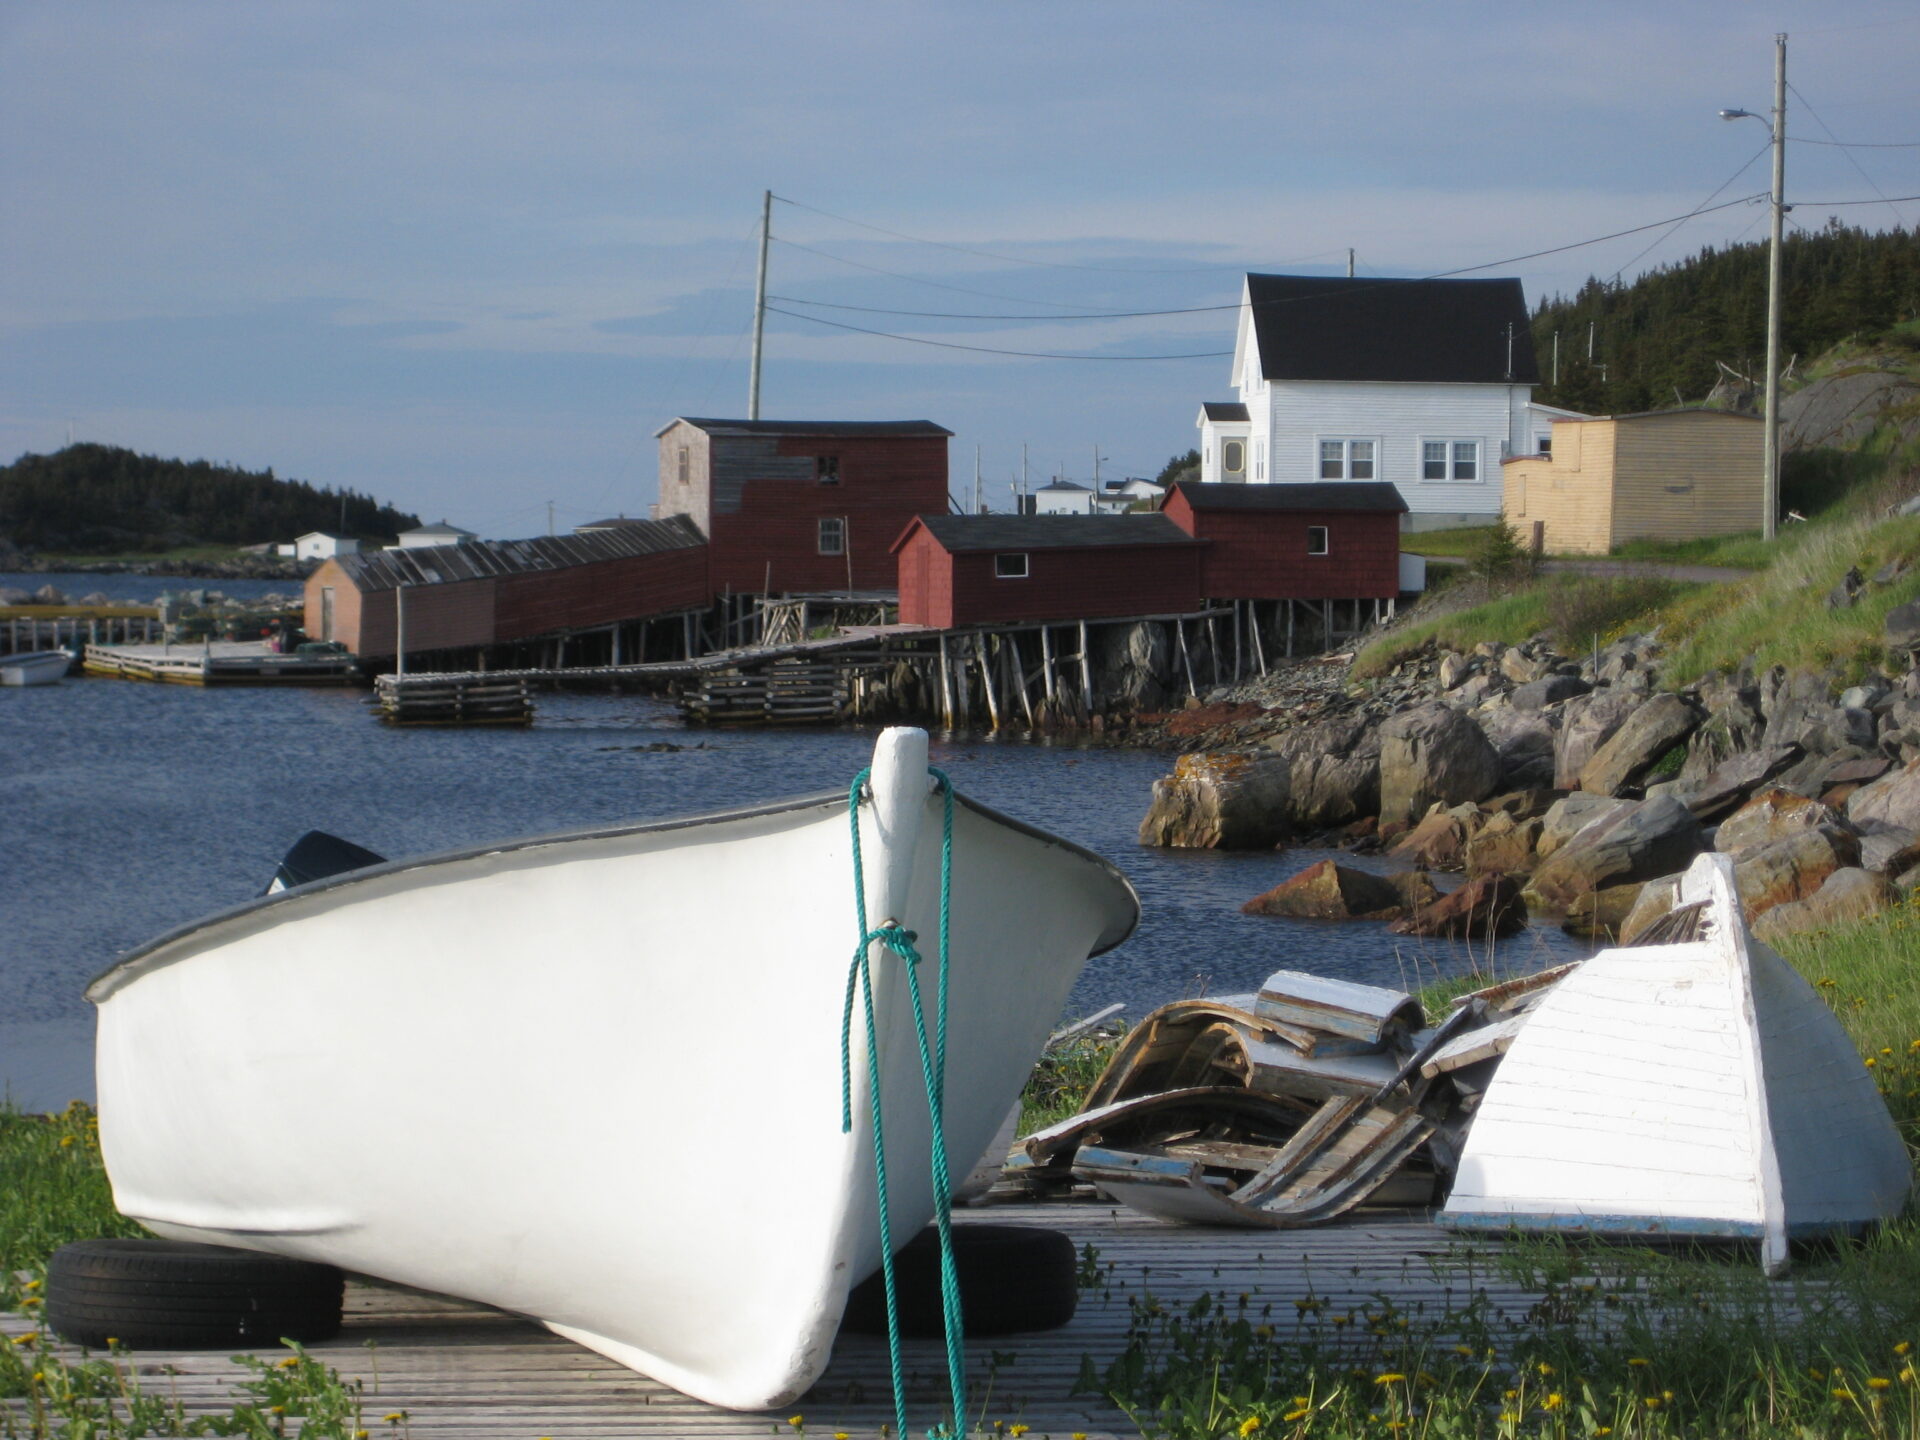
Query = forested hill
x=1662 y=335
x=99 y=499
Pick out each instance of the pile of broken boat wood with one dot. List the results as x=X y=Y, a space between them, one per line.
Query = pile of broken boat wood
x=1284 y=1108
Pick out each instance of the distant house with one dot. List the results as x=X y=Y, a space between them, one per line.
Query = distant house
x=318 y=545
x=1425 y=384
x=441 y=534
x=1115 y=497
x=494 y=592
x=959 y=570
x=801 y=506
x=1062 y=497
x=1665 y=474
x=1313 y=541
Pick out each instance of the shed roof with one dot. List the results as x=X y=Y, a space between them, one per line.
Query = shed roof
x=1058 y=484
x=962 y=533
x=440 y=527
x=1225 y=409
x=1317 y=327
x=478 y=559
x=1379 y=496
x=851 y=428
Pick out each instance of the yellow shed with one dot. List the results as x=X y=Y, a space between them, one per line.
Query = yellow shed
x=1662 y=475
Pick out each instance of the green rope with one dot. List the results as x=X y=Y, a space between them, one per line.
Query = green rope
x=933 y=1065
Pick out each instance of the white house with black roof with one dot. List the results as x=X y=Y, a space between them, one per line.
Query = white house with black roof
x=1425 y=384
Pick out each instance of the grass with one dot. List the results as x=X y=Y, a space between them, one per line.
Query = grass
x=1063 y=1076
x=1745 y=551
x=1461 y=544
x=1573 y=610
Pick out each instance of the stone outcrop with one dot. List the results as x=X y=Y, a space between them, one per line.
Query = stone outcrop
x=1225 y=801
x=1641 y=841
x=1502 y=846
x=1602 y=914
x=1626 y=756
x=1433 y=753
x=1330 y=892
x=1726 y=787
x=1567 y=817
x=1792 y=867
x=1439 y=841
x=1487 y=906
x=1847 y=894
x=1891 y=802
x=1587 y=722
x=1772 y=815
x=1655 y=899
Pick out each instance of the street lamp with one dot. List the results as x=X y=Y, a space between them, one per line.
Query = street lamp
x=1777 y=129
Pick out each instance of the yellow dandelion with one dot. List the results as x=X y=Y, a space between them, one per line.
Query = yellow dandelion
x=394 y=1417
x=1903 y=1347
x=796 y=1421
x=1553 y=1401
x=276 y=1409
x=1293 y=1415
x=1871 y=1062
x=290 y=1363
x=1879 y=1382
x=1509 y=1394
x=1018 y=1429
x=1544 y=1368
x=1249 y=1425
x=1817 y=1374
x=65 y=1141
x=1840 y=1392
x=1603 y=1429
x=1638 y=1360
x=1392 y=1377
x=1652 y=1402
x=23 y=1339
x=32 y=1285
x=1905 y=1377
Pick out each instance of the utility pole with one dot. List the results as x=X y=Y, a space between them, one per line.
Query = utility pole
x=1769 y=521
x=1556 y=359
x=549 y=517
x=759 y=307
x=976 y=479
x=1349 y=262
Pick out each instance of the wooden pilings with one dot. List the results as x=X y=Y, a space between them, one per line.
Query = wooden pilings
x=453 y=700
x=69 y=632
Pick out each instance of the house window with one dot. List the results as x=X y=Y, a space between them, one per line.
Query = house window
x=1010 y=567
x=833 y=535
x=1543 y=445
x=1259 y=459
x=680 y=465
x=1316 y=539
x=1346 y=459
x=1233 y=457
x=827 y=469
x=1450 y=460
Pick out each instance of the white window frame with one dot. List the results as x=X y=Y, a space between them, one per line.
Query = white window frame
x=1325 y=540
x=1260 y=460
x=830 y=535
x=1346 y=458
x=1003 y=565
x=1450 y=463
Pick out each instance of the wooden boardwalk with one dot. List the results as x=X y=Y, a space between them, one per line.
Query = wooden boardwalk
x=460 y=1370
x=218 y=662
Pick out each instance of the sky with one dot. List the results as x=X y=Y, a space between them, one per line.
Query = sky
x=468 y=258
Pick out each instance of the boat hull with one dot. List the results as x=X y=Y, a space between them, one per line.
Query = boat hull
x=595 y=1079
x=39 y=667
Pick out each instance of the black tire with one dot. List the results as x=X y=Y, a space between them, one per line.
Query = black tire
x=169 y=1294
x=1013 y=1279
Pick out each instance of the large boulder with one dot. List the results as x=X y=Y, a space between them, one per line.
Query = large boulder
x=1602 y=914
x=1439 y=841
x=1502 y=846
x=1655 y=900
x=1586 y=723
x=1847 y=894
x=1487 y=906
x=1641 y=841
x=1643 y=737
x=1772 y=815
x=1330 y=892
x=1890 y=803
x=1798 y=707
x=1524 y=741
x=1903 y=627
x=1220 y=801
x=1792 y=867
x=1727 y=786
x=1733 y=726
x=1571 y=814
x=1433 y=753
x=1548 y=690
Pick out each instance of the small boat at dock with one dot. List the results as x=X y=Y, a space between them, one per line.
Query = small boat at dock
x=35 y=667
x=596 y=1078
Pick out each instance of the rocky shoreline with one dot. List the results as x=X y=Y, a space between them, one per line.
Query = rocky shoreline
x=1574 y=789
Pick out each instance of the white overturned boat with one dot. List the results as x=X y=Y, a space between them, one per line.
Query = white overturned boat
x=596 y=1078
x=35 y=667
x=1698 y=1088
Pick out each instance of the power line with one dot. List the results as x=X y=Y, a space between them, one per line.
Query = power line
x=1849 y=144
x=1836 y=204
x=1848 y=152
x=990 y=350
x=1662 y=239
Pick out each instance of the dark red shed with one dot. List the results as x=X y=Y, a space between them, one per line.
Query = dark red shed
x=1003 y=569
x=792 y=506
x=1338 y=540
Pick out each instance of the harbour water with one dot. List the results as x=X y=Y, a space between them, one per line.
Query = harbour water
x=126 y=809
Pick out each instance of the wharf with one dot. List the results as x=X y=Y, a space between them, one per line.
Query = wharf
x=462 y=1370
x=219 y=662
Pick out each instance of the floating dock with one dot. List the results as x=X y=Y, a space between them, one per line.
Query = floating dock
x=460 y=1370
x=219 y=662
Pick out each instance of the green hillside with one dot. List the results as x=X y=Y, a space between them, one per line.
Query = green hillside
x=1660 y=340
x=100 y=499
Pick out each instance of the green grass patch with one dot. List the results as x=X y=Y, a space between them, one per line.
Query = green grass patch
x=1461 y=544
x=1746 y=551
x=1065 y=1073
x=1573 y=610
x=55 y=1190
x=1779 y=616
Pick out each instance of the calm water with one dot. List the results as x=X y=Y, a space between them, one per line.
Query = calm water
x=126 y=809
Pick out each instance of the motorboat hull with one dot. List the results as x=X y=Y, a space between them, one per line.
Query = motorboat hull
x=596 y=1078
x=36 y=667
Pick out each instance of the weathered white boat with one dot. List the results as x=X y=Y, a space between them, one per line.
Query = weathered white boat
x=35 y=667
x=596 y=1078
x=1699 y=1088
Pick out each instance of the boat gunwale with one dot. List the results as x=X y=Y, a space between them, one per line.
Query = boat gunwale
x=116 y=977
